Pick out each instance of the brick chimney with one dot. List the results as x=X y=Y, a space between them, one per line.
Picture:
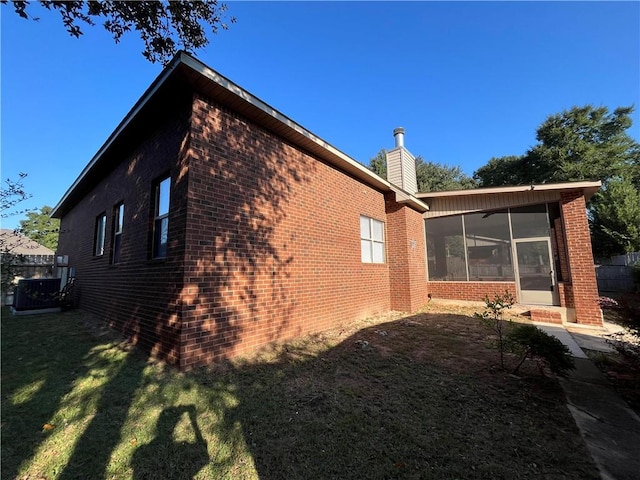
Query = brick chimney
x=401 y=165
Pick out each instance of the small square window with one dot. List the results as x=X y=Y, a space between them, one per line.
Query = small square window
x=371 y=240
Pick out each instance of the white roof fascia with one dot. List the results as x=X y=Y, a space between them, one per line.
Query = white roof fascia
x=404 y=197
x=520 y=188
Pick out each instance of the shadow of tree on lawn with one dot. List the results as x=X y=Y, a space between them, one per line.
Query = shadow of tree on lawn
x=412 y=398
x=36 y=376
x=176 y=459
x=418 y=397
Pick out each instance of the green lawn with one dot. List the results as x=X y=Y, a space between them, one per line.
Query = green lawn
x=415 y=397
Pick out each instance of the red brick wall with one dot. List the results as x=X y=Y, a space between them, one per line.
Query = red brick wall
x=562 y=250
x=138 y=296
x=470 y=291
x=406 y=256
x=565 y=291
x=582 y=270
x=273 y=239
x=545 y=316
x=264 y=241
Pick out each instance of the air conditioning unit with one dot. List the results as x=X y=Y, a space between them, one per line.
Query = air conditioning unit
x=36 y=294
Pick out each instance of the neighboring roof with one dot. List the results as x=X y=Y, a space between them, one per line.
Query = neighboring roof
x=588 y=188
x=20 y=245
x=186 y=71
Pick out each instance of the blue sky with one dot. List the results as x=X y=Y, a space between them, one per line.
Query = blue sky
x=468 y=81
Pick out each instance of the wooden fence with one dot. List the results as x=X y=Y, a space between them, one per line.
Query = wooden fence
x=33 y=266
x=614 y=278
x=615 y=274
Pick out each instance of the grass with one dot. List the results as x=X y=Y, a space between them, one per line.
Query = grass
x=415 y=397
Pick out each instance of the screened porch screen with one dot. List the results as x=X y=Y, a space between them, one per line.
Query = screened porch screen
x=477 y=247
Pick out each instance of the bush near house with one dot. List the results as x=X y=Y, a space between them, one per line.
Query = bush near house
x=531 y=342
x=526 y=341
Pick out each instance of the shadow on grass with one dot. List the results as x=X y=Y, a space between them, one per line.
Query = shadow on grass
x=174 y=459
x=42 y=357
x=122 y=374
x=412 y=398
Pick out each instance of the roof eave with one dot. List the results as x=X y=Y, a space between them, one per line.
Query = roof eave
x=588 y=187
x=288 y=128
x=139 y=105
x=303 y=137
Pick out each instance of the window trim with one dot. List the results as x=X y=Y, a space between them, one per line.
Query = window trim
x=160 y=220
x=118 y=228
x=100 y=235
x=371 y=241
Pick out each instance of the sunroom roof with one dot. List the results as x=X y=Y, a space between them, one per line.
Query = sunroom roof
x=589 y=188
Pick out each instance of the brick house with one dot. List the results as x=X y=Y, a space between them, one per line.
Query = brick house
x=210 y=224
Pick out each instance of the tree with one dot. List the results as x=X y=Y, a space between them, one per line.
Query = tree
x=584 y=143
x=510 y=170
x=12 y=192
x=41 y=228
x=378 y=164
x=431 y=176
x=437 y=177
x=164 y=26
x=615 y=218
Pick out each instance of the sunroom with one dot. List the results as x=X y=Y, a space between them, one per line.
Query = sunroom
x=532 y=241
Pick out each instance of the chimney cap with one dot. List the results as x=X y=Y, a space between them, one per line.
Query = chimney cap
x=398 y=134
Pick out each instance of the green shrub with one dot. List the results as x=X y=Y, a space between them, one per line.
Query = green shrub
x=531 y=342
x=492 y=318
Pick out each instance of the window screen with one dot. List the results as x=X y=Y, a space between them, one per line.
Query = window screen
x=445 y=249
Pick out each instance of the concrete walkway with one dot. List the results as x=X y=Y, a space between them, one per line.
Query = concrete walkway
x=611 y=430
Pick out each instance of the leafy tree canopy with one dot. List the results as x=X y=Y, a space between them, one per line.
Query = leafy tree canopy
x=584 y=143
x=431 y=176
x=437 y=177
x=41 y=228
x=615 y=218
x=164 y=26
x=378 y=164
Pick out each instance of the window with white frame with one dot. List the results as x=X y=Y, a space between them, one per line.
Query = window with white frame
x=371 y=240
x=118 y=226
x=101 y=228
x=161 y=220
